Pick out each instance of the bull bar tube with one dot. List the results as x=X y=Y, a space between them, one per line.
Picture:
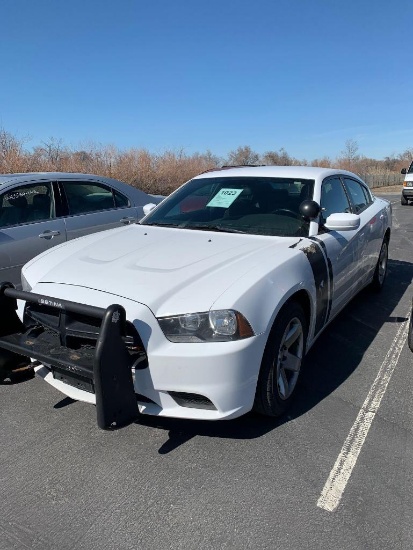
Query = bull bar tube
x=105 y=367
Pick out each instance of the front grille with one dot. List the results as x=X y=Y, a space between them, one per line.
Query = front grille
x=61 y=331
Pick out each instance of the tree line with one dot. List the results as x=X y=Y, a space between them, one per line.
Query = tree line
x=161 y=173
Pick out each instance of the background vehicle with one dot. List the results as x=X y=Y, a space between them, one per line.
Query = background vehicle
x=207 y=308
x=407 y=191
x=41 y=210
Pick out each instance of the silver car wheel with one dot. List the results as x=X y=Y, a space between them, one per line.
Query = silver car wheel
x=382 y=263
x=289 y=358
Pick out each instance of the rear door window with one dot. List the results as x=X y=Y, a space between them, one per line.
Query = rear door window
x=88 y=197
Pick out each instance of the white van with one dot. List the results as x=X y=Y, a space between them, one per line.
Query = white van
x=407 y=192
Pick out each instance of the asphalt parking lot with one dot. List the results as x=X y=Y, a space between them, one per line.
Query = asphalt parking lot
x=337 y=472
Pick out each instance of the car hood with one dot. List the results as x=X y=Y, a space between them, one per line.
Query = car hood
x=163 y=268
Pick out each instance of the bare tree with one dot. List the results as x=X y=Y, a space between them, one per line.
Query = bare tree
x=243 y=156
x=12 y=157
x=349 y=155
x=52 y=151
x=407 y=155
x=390 y=162
x=322 y=162
x=278 y=158
x=212 y=161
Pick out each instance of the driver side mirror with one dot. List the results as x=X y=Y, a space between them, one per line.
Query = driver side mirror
x=403 y=171
x=148 y=208
x=309 y=209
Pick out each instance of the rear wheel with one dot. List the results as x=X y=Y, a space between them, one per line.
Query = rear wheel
x=410 y=336
x=381 y=267
x=282 y=361
x=404 y=201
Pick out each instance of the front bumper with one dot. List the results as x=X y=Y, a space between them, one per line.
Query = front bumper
x=407 y=192
x=208 y=381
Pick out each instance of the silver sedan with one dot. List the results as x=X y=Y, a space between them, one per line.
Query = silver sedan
x=41 y=210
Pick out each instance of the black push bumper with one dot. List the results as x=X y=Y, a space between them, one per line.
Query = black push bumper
x=88 y=347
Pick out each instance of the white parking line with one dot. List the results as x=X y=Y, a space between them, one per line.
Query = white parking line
x=340 y=474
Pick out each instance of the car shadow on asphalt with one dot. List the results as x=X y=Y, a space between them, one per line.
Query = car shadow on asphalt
x=333 y=358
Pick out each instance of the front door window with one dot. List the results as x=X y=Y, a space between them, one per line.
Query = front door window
x=26 y=204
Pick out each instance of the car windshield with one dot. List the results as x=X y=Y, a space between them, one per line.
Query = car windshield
x=254 y=205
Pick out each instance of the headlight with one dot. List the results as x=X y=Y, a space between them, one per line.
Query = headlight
x=222 y=325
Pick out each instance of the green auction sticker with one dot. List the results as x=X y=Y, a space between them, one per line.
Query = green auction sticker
x=225 y=197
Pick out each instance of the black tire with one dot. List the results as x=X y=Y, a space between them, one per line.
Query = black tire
x=9 y=362
x=404 y=201
x=276 y=383
x=381 y=267
x=22 y=375
x=410 y=335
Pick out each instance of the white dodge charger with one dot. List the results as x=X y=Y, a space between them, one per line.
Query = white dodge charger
x=206 y=308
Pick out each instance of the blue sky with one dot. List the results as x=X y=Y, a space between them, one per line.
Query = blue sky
x=306 y=75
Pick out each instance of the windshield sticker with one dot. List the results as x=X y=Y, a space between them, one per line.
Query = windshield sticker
x=225 y=197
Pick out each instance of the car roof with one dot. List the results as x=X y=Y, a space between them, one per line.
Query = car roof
x=302 y=172
x=9 y=178
x=134 y=193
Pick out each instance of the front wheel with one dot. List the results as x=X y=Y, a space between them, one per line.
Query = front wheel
x=403 y=201
x=381 y=267
x=282 y=361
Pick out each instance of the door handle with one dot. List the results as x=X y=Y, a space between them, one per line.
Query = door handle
x=127 y=220
x=49 y=234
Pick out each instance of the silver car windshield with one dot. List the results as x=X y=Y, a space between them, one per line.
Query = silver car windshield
x=254 y=205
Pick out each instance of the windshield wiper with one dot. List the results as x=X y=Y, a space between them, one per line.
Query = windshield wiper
x=209 y=227
x=218 y=228
x=163 y=224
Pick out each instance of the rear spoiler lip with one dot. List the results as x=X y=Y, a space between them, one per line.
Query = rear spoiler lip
x=116 y=403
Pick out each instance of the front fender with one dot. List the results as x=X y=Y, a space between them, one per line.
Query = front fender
x=261 y=292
